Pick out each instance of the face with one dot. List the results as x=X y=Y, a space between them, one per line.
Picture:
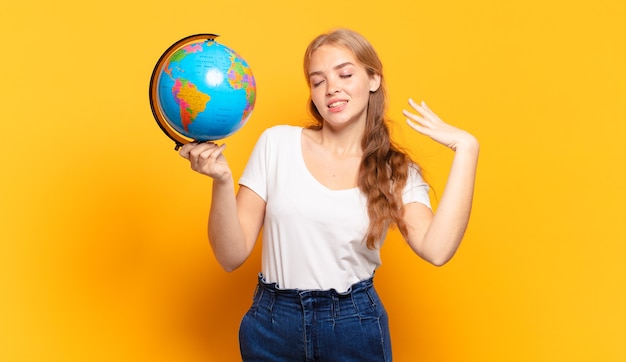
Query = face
x=340 y=85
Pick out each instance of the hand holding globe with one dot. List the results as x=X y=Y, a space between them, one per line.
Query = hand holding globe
x=201 y=90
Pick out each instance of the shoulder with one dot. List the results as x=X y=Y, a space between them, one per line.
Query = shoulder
x=281 y=131
x=279 y=137
x=415 y=175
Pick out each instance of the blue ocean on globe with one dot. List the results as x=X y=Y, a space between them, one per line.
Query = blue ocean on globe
x=206 y=91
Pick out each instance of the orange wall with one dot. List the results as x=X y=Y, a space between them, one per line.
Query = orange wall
x=102 y=243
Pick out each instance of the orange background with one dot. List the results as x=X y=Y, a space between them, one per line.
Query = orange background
x=103 y=254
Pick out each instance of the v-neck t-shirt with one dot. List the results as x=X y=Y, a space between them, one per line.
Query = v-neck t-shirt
x=313 y=236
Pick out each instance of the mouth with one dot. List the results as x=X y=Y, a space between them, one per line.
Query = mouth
x=337 y=104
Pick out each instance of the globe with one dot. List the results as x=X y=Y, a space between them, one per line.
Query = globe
x=201 y=90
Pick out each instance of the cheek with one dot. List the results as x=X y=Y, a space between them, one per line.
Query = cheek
x=317 y=99
x=320 y=107
x=365 y=95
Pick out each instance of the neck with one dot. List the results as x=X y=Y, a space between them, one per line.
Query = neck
x=342 y=141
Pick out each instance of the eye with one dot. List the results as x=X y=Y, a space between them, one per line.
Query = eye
x=346 y=76
x=317 y=83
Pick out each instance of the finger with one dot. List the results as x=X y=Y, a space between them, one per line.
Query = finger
x=416 y=118
x=416 y=126
x=427 y=113
x=435 y=116
x=212 y=153
x=423 y=111
x=410 y=114
x=186 y=149
x=200 y=148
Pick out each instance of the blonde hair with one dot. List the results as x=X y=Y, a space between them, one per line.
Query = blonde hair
x=384 y=167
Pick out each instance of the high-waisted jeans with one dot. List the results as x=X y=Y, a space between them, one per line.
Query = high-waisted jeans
x=314 y=325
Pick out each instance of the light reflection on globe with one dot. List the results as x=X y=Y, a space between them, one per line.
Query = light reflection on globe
x=201 y=90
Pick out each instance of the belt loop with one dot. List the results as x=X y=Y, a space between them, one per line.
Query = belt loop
x=257 y=292
x=272 y=298
x=335 y=306
x=370 y=296
x=355 y=307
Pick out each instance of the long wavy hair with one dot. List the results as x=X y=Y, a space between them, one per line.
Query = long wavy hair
x=384 y=167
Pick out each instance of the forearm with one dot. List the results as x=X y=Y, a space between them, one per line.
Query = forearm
x=224 y=228
x=450 y=221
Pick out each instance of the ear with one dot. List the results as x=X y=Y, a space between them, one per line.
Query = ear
x=374 y=82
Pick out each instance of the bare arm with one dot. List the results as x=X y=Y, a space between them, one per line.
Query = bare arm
x=234 y=221
x=436 y=237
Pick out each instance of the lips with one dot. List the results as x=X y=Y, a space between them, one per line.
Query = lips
x=337 y=104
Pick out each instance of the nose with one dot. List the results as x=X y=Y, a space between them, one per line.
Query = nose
x=331 y=87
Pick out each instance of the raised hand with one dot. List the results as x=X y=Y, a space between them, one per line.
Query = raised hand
x=429 y=124
x=207 y=159
x=438 y=239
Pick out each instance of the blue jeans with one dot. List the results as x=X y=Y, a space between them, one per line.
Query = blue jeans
x=314 y=325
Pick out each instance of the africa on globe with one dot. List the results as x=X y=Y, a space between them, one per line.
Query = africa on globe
x=201 y=90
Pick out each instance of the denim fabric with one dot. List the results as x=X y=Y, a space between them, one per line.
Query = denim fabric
x=313 y=325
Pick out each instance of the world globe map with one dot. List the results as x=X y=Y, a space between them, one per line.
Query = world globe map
x=202 y=90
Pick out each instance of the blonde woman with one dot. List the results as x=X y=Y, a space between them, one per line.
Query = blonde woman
x=324 y=197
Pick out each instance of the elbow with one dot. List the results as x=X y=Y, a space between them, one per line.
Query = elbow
x=229 y=259
x=439 y=260
x=439 y=252
x=231 y=262
x=435 y=258
x=229 y=266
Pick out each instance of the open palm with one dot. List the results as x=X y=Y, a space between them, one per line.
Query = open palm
x=429 y=124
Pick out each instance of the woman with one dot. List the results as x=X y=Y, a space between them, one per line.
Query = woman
x=325 y=197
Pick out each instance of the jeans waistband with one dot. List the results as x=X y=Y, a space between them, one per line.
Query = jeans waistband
x=361 y=286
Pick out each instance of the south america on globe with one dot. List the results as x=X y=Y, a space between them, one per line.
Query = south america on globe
x=201 y=90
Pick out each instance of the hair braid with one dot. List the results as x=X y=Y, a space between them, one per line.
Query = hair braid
x=384 y=167
x=382 y=177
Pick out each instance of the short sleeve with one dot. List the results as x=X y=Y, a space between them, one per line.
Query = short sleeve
x=254 y=175
x=416 y=189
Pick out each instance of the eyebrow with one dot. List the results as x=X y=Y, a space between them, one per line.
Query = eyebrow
x=336 y=67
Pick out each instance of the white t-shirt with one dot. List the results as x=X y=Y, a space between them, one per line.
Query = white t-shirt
x=313 y=237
